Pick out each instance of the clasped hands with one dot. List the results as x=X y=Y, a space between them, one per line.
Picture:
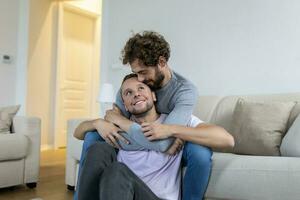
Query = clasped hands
x=110 y=132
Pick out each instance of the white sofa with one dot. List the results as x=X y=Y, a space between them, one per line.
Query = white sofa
x=233 y=176
x=20 y=153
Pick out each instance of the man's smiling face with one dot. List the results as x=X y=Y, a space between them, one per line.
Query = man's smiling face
x=137 y=96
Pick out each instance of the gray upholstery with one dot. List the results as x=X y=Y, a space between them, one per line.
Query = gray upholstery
x=233 y=177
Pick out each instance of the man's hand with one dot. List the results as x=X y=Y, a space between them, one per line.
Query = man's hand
x=114 y=115
x=176 y=147
x=155 y=131
x=109 y=132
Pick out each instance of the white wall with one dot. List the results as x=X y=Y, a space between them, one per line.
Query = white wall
x=223 y=46
x=8 y=45
x=41 y=66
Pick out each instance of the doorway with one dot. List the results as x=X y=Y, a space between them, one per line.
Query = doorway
x=77 y=71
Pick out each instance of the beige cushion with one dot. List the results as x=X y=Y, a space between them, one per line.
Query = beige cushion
x=290 y=143
x=259 y=127
x=6 y=116
x=13 y=146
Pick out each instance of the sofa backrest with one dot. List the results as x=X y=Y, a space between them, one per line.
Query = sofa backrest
x=219 y=110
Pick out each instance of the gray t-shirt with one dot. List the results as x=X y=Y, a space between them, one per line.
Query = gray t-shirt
x=177 y=99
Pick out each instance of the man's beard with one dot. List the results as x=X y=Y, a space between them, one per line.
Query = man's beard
x=142 y=113
x=159 y=77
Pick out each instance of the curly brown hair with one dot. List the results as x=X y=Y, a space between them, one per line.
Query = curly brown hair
x=147 y=46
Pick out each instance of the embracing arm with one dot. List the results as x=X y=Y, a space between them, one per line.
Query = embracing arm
x=82 y=128
x=108 y=131
x=134 y=132
x=185 y=100
x=204 y=134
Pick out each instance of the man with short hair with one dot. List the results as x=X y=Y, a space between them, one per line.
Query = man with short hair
x=148 y=54
x=141 y=174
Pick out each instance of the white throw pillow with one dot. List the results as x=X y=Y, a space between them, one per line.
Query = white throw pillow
x=6 y=117
x=290 y=144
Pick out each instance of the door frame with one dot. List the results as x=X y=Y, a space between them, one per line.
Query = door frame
x=94 y=107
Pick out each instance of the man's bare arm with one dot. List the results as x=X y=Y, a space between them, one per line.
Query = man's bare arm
x=204 y=134
x=134 y=132
x=82 y=128
x=108 y=131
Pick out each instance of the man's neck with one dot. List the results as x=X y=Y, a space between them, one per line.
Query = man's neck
x=150 y=116
x=168 y=76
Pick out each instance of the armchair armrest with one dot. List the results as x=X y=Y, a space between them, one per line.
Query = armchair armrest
x=30 y=127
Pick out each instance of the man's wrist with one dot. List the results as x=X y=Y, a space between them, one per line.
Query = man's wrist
x=171 y=129
x=95 y=123
x=118 y=120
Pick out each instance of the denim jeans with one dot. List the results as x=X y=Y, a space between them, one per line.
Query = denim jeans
x=196 y=158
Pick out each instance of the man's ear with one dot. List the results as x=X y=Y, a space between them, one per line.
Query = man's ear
x=153 y=96
x=162 y=62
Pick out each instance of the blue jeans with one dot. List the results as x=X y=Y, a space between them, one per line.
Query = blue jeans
x=196 y=158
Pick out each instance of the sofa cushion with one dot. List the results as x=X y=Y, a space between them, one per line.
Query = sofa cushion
x=223 y=112
x=6 y=116
x=259 y=127
x=290 y=143
x=13 y=146
x=253 y=177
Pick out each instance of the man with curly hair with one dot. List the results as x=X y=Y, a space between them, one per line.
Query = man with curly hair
x=143 y=173
x=148 y=54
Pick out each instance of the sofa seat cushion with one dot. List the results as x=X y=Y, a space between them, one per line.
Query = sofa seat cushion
x=253 y=177
x=13 y=146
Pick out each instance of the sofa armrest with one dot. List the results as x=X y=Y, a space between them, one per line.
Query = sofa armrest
x=74 y=147
x=30 y=127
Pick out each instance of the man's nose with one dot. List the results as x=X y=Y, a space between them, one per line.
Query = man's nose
x=136 y=94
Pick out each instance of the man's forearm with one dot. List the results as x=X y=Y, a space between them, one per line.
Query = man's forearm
x=83 y=128
x=123 y=123
x=204 y=134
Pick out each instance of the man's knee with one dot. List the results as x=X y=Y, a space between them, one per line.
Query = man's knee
x=91 y=138
x=197 y=154
x=99 y=148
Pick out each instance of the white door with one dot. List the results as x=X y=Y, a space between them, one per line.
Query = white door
x=77 y=69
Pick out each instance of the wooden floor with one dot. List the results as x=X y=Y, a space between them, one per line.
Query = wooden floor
x=51 y=185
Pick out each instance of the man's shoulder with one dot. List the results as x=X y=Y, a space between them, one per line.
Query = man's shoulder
x=182 y=82
x=180 y=78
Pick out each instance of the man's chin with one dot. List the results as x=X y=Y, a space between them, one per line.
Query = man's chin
x=139 y=112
